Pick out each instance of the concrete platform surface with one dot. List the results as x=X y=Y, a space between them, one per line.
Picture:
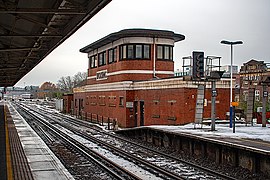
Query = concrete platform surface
x=43 y=163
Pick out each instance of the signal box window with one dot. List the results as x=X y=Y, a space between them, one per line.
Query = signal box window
x=146 y=51
x=123 y=52
x=130 y=52
x=93 y=61
x=112 y=55
x=164 y=52
x=102 y=59
x=160 y=52
x=138 y=51
x=135 y=51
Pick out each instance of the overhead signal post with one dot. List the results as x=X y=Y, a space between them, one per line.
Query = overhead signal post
x=198 y=65
x=211 y=74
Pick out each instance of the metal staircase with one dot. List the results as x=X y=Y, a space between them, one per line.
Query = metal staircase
x=199 y=105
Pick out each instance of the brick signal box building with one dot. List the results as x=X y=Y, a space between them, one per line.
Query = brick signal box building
x=131 y=79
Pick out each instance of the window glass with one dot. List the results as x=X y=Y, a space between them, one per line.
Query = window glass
x=138 y=51
x=166 y=52
x=100 y=59
x=121 y=52
x=95 y=61
x=111 y=54
x=104 y=58
x=160 y=52
x=114 y=54
x=89 y=62
x=133 y=51
x=257 y=92
x=92 y=61
x=124 y=52
x=130 y=52
x=146 y=51
x=171 y=53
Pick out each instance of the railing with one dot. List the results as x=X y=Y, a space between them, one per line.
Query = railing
x=110 y=122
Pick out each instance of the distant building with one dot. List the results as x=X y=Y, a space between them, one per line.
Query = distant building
x=251 y=76
x=27 y=92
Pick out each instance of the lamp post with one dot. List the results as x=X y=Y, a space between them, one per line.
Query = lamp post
x=231 y=43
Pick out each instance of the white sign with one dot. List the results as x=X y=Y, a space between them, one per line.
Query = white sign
x=101 y=75
x=129 y=104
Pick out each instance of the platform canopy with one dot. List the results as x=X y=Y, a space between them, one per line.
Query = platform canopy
x=32 y=29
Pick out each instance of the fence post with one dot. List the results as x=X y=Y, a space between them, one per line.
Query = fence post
x=90 y=117
x=108 y=123
x=113 y=123
x=102 y=120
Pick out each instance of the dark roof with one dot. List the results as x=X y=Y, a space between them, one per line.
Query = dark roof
x=133 y=33
x=30 y=30
x=253 y=61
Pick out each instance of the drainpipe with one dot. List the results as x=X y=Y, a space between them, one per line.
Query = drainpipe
x=154 y=59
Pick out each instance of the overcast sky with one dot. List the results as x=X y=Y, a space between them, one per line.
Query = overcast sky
x=203 y=22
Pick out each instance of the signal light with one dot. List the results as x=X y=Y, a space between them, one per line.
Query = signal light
x=198 y=65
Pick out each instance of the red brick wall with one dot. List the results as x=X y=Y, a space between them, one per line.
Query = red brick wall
x=121 y=65
x=126 y=77
x=68 y=101
x=163 y=106
x=177 y=106
x=105 y=104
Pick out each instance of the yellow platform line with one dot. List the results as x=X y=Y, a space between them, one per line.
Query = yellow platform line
x=8 y=155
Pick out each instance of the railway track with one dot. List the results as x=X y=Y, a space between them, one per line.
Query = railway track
x=171 y=167
x=115 y=171
x=153 y=172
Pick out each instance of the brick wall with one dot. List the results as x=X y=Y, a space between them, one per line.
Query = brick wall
x=161 y=106
x=123 y=65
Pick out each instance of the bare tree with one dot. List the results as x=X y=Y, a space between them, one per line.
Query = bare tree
x=69 y=83
x=61 y=84
x=79 y=78
x=66 y=84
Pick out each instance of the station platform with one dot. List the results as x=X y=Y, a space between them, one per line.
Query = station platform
x=23 y=154
x=253 y=138
x=248 y=147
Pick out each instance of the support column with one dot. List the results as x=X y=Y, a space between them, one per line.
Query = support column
x=213 y=105
x=265 y=95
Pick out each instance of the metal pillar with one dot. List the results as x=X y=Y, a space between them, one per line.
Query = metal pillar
x=233 y=116
x=213 y=105
x=265 y=95
x=231 y=98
